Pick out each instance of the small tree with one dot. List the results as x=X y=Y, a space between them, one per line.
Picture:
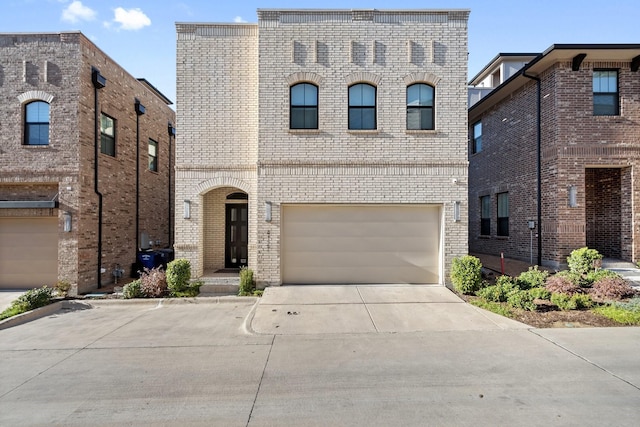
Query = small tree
x=466 y=274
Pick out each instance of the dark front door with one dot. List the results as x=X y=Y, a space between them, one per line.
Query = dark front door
x=237 y=235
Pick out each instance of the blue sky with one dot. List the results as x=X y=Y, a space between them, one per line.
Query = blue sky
x=140 y=34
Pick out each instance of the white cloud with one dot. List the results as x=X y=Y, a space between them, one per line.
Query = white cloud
x=76 y=11
x=238 y=19
x=132 y=19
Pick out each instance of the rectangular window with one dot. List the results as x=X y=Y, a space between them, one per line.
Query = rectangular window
x=485 y=215
x=605 y=93
x=503 y=214
x=153 y=156
x=477 y=138
x=107 y=135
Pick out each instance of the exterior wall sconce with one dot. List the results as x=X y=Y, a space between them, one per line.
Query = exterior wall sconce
x=66 y=217
x=171 y=130
x=97 y=79
x=187 y=209
x=573 y=196
x=267 y=211
x=456 y=211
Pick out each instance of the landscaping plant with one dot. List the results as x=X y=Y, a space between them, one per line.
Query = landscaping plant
x=246 y=282
x=133 y=290
x=178 y=275
x=584 y=260
x=611 y=288
x=153 y=283
x=30 y=300
x=466 y=274
x=532 y=278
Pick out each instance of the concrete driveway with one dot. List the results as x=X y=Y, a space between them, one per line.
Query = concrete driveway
x=291 y=310
x=196 y=363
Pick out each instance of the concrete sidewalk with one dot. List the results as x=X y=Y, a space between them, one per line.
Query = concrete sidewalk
x=295 y=310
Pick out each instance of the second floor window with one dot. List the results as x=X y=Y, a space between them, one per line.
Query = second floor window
x=605 y=93
x=420 y=112
x=485 y=215
x=36 y=123
x=107 y=135
x=153 y=155
x=303 y=113
x=362 y=106
x=477 y=138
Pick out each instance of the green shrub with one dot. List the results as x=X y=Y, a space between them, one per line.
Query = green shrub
x=494 y=307
x=522 y=299
x=30 y=300
x=582 y=301
x=466 y=274
x=153 y=283
x=619 y=314
x=498 y=292
x=563 y=301
x=596 y=275
x=178 y=275
x=133 y=290
x=632 y=305
x=532 y=278
x=192 y=290
x=246 y=282
x=583 y=260
x=540 y=293
x=611 y=288
x=62 y=288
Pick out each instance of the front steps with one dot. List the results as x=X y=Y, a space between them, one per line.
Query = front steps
x=215 y=286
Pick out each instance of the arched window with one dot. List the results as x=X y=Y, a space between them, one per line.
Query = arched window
x=420 y=111
x=36 y=123
x=303 y=111
x=362 y=106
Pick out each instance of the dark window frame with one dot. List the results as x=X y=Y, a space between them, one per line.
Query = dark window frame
x=429 y=108
x=485 y=215
x=107 y=142
x=358 y=107
x=611 y=108
x=503 y=221
x=476 y=140
x=36 y=132
x=153 y=159
x=308 y=110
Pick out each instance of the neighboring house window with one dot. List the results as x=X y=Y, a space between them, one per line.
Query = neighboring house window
x=36 y=123
x=503 y=214
x=477 y=138
x=605 y=93
x=153 y=155
x=107 y=135
x=303 y=112
x=362 y=106
x=420 y=112
x=485 y=215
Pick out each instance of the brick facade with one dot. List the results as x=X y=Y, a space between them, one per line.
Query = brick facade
x=596 y=155
x=233 y=112
x=57 y=67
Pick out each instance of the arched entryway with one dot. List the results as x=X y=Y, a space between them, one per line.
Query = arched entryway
x=225 y=229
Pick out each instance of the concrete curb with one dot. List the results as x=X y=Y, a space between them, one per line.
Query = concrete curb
x=84 y=304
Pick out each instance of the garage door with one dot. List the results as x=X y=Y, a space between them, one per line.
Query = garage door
x=28 y=252
x=360 y=244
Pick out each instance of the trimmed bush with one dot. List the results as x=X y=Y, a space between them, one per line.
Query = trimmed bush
x=611 y=288
x=540 y=293
x=246 y=282
x=532 y=278
x=582 y=301
x=178 y=275
x=466 y=274
x=583 y=260
x=496 y=293
x=561 y=284
x=521 y=299
x=563 y=301
x=133 y=290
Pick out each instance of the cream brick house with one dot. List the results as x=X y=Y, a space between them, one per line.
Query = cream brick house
x=324 y=146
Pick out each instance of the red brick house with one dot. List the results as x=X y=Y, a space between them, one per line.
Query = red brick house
x=554 y=152
x=85 y=157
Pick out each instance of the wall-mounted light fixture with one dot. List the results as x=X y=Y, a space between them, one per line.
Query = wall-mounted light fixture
x=140 y=110
x=267 y=211
x=573 y=196
x=187 y=209
x=456 y=211
x=66 y=217
x=171 y=130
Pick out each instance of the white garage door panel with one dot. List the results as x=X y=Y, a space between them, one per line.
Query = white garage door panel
x=361 y=244
x=28 y=252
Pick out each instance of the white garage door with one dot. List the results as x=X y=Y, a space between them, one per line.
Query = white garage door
x=360 y=244
x=28 y=252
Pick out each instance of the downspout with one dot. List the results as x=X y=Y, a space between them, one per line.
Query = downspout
x=98 y=83
x=539 y=161
x=172 y=132
x=139 y=108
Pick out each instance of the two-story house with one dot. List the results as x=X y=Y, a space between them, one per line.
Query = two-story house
x=553 y=152
x=324 y=146
x=85 y=157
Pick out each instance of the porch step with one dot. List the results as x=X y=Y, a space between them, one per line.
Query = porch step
x=216 y=286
